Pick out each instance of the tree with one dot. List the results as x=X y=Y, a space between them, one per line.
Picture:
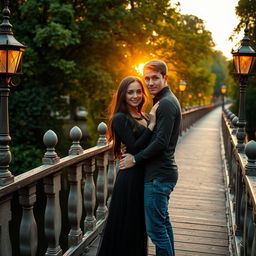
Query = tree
x=84 y=48
x=220 y=69
x=49 y=30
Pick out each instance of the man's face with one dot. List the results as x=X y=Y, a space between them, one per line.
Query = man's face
x=154 y=81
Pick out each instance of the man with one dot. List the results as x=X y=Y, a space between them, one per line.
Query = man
x=161 y=172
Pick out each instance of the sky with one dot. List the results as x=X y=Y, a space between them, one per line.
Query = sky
x=220 y=19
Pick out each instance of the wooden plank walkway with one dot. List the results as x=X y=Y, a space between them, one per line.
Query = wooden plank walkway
x=197 y=205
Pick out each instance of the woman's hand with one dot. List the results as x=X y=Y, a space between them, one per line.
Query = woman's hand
x=152 y=116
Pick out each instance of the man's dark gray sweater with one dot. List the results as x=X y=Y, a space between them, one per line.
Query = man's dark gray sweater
x=158 y=156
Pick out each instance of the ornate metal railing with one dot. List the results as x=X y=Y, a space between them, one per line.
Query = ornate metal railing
x=60 y=207
x=241 y=187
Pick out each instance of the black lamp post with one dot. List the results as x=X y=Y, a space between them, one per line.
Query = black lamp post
x=223 y=92
x=182 y=88
x=244 y=58
x=10 y=60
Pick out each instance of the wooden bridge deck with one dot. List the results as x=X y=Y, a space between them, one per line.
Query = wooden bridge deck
x=197 y=205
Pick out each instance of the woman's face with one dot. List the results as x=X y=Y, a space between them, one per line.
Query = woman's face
x=134 y=94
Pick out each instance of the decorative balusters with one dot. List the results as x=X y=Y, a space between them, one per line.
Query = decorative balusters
x=89 y=195
x=75 y=196
x=28 y=227
x=102 y=185
x=254 y=236
x=243 y=242
x=249 y=229
x=5 y=217
x=52 y=188
x=238 y=198
x=233 y=171
x=75 y=205
x=102 y=174
x=248 y=243
x=111 y=175
x=76 y=135
x=50 y=140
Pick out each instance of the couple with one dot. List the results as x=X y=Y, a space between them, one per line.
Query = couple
x=148 y=172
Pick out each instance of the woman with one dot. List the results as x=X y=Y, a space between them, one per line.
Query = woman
x=125 y=233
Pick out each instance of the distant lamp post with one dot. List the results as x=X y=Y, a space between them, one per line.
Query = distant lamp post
x=243 y=59
x=10 y=61
x=223 y=92
x=182 y=88
x=199 y=97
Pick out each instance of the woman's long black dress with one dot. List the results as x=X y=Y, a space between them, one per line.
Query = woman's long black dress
x=125 y=233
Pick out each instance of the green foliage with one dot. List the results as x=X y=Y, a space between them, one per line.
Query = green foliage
x=220 y=69
x=24 y=158
x=84 y=48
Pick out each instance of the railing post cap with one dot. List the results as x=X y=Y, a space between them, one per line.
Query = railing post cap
x=102 y=129
x=50 y=139
x=250 y=150
x=231 y=116
x=234 y=120
x=76 y=133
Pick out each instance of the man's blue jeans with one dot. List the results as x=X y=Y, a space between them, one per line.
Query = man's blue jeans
x=158 y=225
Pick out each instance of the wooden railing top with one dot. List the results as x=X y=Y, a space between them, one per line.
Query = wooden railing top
x=42 y=171
x=194 y=109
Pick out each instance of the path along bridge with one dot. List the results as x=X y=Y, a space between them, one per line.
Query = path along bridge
x=60 y=207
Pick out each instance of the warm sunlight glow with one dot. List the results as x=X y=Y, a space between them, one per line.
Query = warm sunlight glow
x=219 y=17
x=154 y=33
x=139 y=68
x=128 y=7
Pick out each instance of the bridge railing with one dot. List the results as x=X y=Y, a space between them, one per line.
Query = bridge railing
x=60 y=207
x=190 y=116
x=241 y=187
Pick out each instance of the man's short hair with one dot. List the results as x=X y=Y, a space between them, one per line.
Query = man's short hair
x=156 y=65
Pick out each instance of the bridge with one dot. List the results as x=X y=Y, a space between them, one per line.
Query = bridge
x=60 y=207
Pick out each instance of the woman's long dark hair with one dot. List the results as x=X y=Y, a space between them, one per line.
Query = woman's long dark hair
x=119 y=105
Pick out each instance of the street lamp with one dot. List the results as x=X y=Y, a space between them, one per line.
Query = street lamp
x=182 y=87
x=243 y=59
x=223 y=92
x=11 y=52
